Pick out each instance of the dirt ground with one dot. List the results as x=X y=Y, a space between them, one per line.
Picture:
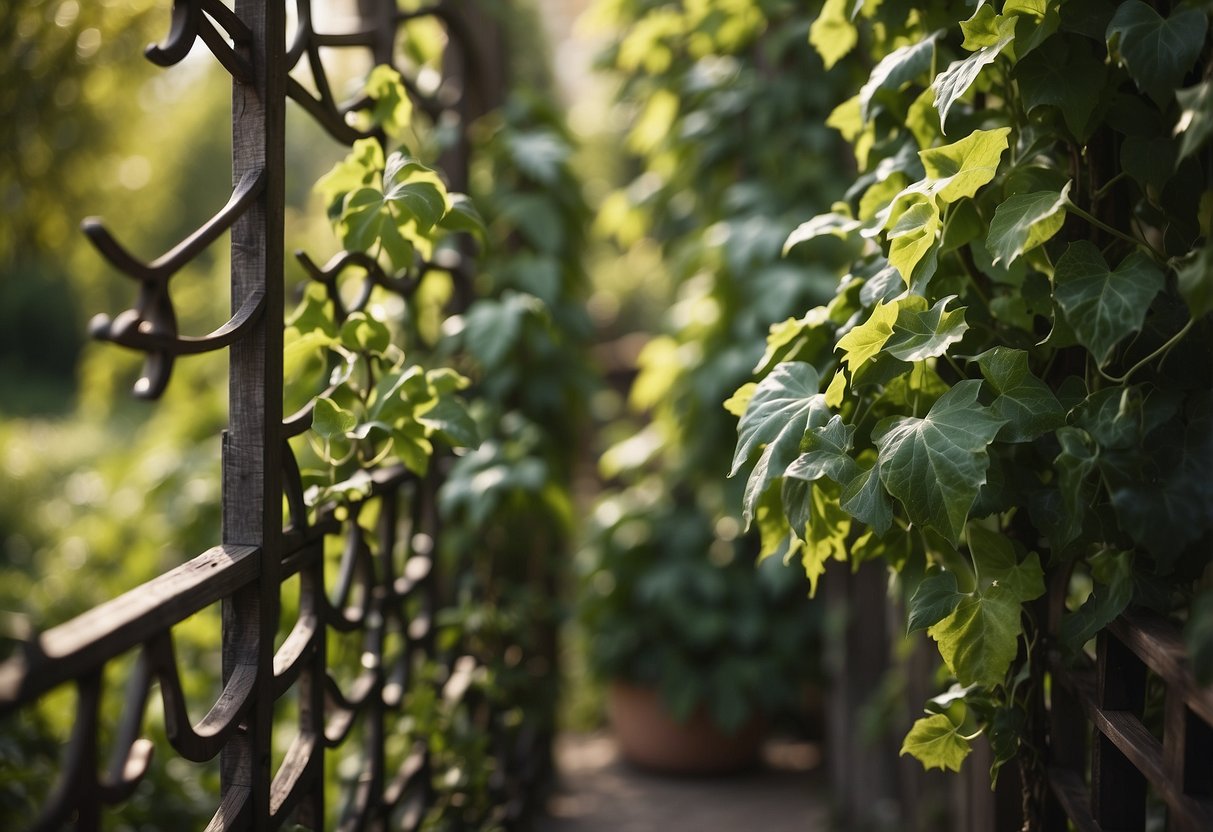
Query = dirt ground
x=599 y=792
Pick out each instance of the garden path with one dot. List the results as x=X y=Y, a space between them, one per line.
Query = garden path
x=598 y=792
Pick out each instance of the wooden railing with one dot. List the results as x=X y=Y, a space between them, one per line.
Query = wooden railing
x=388 y=586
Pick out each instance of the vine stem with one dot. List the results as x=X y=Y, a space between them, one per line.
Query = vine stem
x=1100 y=224
x=1161 y=351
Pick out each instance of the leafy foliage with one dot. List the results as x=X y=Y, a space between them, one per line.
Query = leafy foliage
x=727 y=146
x=1012 y=378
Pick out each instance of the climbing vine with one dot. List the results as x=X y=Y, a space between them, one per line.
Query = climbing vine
x=1011 y=386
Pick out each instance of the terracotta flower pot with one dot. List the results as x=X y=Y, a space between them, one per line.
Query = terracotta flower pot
x=651 y=738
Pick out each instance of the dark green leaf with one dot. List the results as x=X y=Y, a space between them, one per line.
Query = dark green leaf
x=1024 y=401
x=936 y=465
x=1107 y=601
x=1195 y=118
x=785 y=405
x=920 y=333
x=998 y=564
x=1195 y=273
x=933 y=601
x=1158 y=52
x=1104 y=307
x=1063 y=74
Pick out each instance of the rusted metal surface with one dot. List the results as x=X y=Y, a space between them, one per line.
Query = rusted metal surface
x=387 y=586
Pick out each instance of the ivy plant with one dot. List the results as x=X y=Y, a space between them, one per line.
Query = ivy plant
x=1011 y=386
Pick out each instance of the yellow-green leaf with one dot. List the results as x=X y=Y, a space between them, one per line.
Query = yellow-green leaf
x=959 y=169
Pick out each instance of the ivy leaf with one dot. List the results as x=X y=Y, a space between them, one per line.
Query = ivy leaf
x=785 y=404
x=934 y=600
x=936 y=465
x=1108 y=600
x=1157 y=52
x=936 y=743
x=832 y=33
x=920 y=333
x=449 y=416
x=916 y=222
x=367 y=222
x=959 y=169
x=1024 y=221
x=826 y=453
x=358 y=169
x=997 y=564
x=954 y=81
x=866 y=340
x=463 y=216
x=979 y=639
x=825 y=532
x=421 y=199
x=1063 y=74
x=1195 y=272
x=330 y=419
x=836 y=223
x=865 y=499
x=1102 y=306
x=1195 y=118
x=1035 y=22
x=981 y=29
x=1074 y=465
x=393 y=110
x=1024 y=401
x=896 y=69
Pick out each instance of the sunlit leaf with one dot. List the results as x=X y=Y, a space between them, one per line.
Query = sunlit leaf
x=1024 y=221
x=936 y=743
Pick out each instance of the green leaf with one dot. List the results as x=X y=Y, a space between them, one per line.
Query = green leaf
x=421 y=199
x=740 y=400
x=1108 y=600
x=330 y=420
x=914 y=233
x=936 y=743
x=1157 y=52
x=1195 y=117
x=997 y=564
x=1195 y=272
x=1035 y=22
x=827 y=530
x=865 y=499
x=362 y=333
x=979 y=639
x=1063 y=74
x=936 y=465
x=785 y=405
x=866 y=340
x=393 y=109
x=358 y=169
x=367 y=222
x=935 y=599
x=1103 y=307
x=463 y=216
x=1074 y=465
x=449 y=416
x=920 y=333
x=797 y=339
x=835 y=223
x=981 y=29
x=954 y=81
x=1024 y=401
x=826 y=454
x=832 y=33
x=1023 y=222
x=961 y=168
x=898 y=68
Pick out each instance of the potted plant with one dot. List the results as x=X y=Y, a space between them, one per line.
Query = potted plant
x=700 y=649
